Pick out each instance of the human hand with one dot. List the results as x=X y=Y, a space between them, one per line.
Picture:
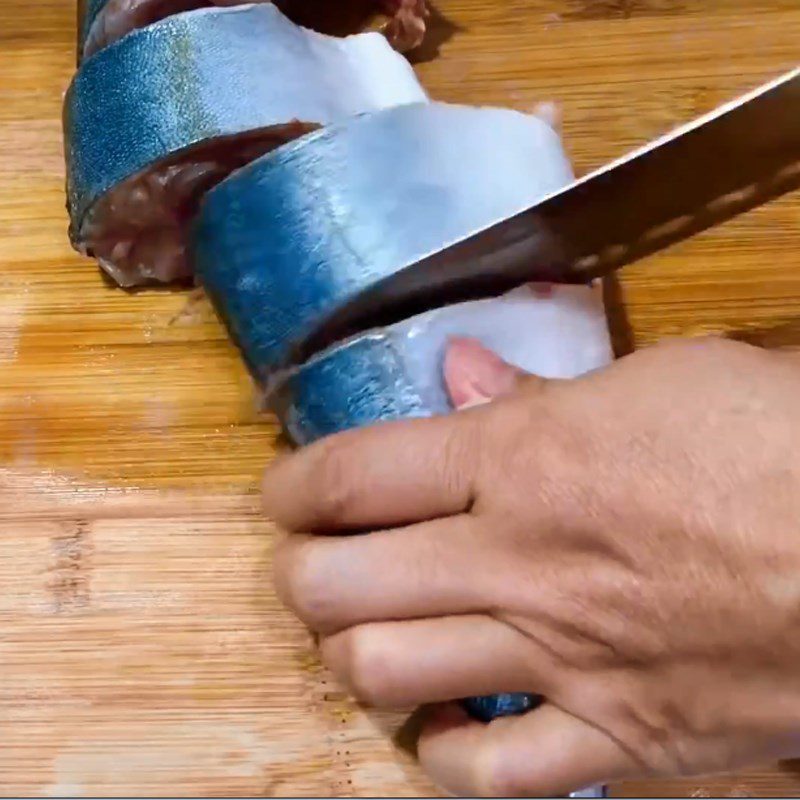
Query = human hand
x=625 y=544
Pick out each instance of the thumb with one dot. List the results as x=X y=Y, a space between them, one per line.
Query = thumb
x=545 y=753
x=474 y=375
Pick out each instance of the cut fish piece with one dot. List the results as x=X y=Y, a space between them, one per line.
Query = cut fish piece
x=106 y=21
x=334 y=213
x=156 y=119
x=396 y=372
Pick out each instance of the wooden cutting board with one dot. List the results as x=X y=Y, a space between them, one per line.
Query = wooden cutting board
x=141 y=649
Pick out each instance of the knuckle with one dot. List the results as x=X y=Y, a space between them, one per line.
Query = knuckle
x=334 y=487
x=300 y=582
x=271 y=498
x=365 y=665
x=280 y=572
x=460 y=449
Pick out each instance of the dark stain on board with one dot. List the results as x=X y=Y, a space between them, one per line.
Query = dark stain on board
x=71 y=568
x=620 y=9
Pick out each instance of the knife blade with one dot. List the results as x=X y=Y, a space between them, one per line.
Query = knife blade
x=738 y=156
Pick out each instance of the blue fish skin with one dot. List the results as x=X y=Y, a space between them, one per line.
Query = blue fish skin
x=291 y=238
x=359 y=384
x=485 y=709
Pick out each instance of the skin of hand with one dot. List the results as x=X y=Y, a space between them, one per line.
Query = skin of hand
x=626 y=544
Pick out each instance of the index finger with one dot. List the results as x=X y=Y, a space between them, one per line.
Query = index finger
x=394 y=473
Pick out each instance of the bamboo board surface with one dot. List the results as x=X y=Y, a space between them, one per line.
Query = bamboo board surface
x=141 y=648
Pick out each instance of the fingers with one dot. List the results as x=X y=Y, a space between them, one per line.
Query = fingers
x=545 y=753
x=405 y=664
x=389 y=474
x=428 y=569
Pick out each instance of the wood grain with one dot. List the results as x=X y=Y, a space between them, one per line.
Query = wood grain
x=141 y=648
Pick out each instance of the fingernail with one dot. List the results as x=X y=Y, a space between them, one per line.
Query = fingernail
x=474 y=375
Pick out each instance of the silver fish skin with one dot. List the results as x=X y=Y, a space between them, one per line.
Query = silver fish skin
x=335 y=212
x=182 y=92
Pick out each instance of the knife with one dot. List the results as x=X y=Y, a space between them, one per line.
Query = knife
x=740 y=155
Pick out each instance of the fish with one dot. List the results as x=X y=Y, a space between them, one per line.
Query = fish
x=338 y=210
x=282 y=243
x=158 y=118
x=104 y=22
